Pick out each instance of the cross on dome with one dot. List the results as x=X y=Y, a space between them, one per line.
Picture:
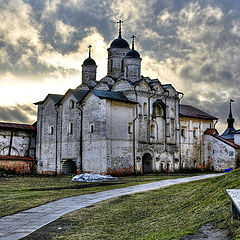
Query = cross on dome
x=133 y=37
x=90 y=50
x=120 y=22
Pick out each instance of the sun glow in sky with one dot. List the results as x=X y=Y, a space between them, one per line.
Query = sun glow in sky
x=194 y=45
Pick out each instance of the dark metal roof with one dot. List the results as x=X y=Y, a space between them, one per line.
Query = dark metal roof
x=17 y=126
x=132 y=54
x=210 y=131
x=118 y=96
x=229 y=133
x=89 y=61
x=79 y=94
x=55 y=97
x=189 y=111
x=119 y=43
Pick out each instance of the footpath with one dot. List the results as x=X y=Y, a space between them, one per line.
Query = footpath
x=19 y=225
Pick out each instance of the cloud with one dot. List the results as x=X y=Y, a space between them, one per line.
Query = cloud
x=18 y=113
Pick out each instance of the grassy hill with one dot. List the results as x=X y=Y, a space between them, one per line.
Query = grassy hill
x=169 y=213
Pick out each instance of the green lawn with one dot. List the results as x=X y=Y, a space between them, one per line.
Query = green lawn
x=168 y=213
x=19 y=193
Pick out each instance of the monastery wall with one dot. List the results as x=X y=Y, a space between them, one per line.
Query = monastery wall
x=218 y=155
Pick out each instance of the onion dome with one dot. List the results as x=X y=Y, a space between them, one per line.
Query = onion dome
x=89 y=60
x=132 y=53
x=119 y=42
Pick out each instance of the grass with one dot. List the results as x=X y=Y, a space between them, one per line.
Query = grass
x=168 y=213
x=18 y=193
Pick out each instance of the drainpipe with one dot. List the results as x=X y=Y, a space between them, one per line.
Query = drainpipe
x=148 y=126
x=80 y=107
x=10 y=144
x=165 y=130
x=180 y=154
x=56 y=135
x=134 y=134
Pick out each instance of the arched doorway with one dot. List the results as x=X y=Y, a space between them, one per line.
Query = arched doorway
x=69 y=167
x=147 y=163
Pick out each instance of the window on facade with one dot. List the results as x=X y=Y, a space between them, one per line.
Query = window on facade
x=111 y=65
x=70 y=128
x=91 y=128
x=122 y=66
x=158 y=111
x=139 y=109
x=194 y=133
x=50 y=130
x=71 y=104
x=138 y=72
x=167 y=112
x=130 y=128
x=145 y=108
x=168 y=130
x=183 y=132
x=153 y=131
x=126 y=72
x=168 y=166
x=161 y=167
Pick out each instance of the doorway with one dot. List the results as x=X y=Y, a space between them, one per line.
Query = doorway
x=69 y=167
x=147 y=163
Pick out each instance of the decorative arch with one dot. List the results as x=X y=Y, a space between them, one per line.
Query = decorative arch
x=5 y=150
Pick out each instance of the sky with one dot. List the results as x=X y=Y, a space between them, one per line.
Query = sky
x=194 y=45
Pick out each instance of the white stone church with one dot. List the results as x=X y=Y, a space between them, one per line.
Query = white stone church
x=124 y=123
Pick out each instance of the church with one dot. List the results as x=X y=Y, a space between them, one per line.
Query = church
x=123 y=124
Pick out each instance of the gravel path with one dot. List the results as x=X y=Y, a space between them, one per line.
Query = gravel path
x=19 y=225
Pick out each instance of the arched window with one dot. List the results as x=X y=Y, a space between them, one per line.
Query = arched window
x=139 y=109
x=71 y=104
x=183 y=132
x=158 y=111
x=129 y=128
x=122 y=66
x=70 y=128
x=167 y=112
x=153 y=131
x=145 y=108
x=168 y=166
x=91 y=128
x=168 y=130
x=111 y=65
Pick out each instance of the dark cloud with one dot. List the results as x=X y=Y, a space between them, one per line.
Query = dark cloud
x=19 y=113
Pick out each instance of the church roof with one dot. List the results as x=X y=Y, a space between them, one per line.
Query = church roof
x=118 y=96
x=229 y=133
x=55 y=97
x=79 y=94
x=190 y=111
x=17 y=126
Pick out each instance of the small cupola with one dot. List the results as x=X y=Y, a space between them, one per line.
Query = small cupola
x=132 y=64
x=89 y=70
x=116 y=52
x=229 y=132
x=132 y=53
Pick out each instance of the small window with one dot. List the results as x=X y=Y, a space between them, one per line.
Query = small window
x=158 y=111
x=161 y=167
x=168 y=129
x=183 y=132
x=70 y=128
x=138 y=72
x=71 y=104
x=153 y=132
x=50 y=130
x=122 y=66
x=126 y=72
x=194 y=133
x=129 y=128
x=168 y=166
x=111 y=65
x=91 y=128
x=145 y=108
x=139 y=109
